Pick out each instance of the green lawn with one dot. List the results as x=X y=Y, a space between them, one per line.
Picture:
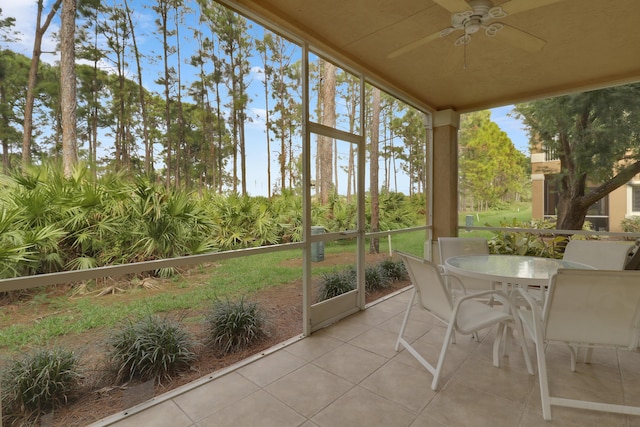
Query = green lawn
x=520 y=212
x=61 y=315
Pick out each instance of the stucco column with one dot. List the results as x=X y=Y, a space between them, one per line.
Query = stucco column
x=445 y=174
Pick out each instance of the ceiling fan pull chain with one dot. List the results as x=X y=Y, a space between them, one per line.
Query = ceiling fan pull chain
x=464 y=57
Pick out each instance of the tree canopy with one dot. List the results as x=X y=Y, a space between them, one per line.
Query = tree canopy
x=596 y=137
x=491 y=169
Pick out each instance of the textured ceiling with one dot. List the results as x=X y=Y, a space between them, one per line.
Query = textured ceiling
x=578 y=45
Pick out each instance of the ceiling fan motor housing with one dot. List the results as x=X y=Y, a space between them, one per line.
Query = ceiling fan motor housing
x=471 y=21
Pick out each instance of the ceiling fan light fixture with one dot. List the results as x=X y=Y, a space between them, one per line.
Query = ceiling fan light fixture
x=492 y=29
x=463 y=40
x=469 y=16
x=473 y=25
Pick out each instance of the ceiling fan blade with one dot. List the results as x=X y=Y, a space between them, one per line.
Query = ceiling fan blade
x=516 y=6
x=413 y=45
x=520 y=39
x=453 y=6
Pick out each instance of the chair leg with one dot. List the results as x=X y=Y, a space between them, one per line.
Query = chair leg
x=545 y=399
x=497 y=345
x=588 y=354
x=443 y=355
x=406 y=319
x=523 y=343
x=574 y=355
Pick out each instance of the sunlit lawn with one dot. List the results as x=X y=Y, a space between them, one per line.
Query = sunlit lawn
x=521 y=213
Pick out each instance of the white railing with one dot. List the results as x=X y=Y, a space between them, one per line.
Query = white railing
x=553 y=231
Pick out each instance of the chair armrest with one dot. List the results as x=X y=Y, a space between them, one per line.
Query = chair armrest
x=499 y=295
x=531 y=318
x=530 y=300
x=456 y=279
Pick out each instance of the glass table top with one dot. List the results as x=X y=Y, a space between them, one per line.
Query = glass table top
x=534 y=270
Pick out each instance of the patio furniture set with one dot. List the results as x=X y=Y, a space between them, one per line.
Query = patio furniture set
x=586 y=300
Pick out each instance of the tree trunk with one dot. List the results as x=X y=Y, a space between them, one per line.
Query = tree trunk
x=350 y=172
x=219 y=169
x=571 y=214
x=325 y=144
x=33 y=79
x=181 y=145
x=243 y=154
x=167 y=109
x=266 y=108
x=93 y=148
x=574 y=202
x=68 y=87
x=3 y=134
x=374 y=243
x=148 y=147
x=283 y=162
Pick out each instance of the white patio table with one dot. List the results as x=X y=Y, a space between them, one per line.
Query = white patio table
x=510 y=269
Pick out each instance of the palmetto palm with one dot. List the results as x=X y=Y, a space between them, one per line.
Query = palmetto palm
x=16 y=256
x=167 y=224
x=287 y=211
x=241 y=221
x=34 y=198
x=93 y=217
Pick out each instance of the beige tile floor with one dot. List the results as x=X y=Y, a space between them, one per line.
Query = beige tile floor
x=350 y=375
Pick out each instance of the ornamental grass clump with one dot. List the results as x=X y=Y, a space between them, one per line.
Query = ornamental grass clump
x=336 y=283
x=39 y=382
x=375 y=278
x=151 y=348
x=235 y=325
x=394 y=269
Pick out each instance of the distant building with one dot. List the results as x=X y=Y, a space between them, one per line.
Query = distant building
x=605 y=215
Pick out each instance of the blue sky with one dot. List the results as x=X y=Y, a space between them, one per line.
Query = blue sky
x=146 y=32
x=512 y=126
x=24 y=12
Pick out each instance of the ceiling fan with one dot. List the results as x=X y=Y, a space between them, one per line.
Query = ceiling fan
x=475 y=15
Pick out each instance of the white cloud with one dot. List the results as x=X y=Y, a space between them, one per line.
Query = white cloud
x=25 y=12
x=258 y=72
x=259 y=116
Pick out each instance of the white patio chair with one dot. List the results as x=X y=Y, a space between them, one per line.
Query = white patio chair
x=584 y=308
x=458 y=246
x=466 y=316
x=633 y=262
x=598 y=254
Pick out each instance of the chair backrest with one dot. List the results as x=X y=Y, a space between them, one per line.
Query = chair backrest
x=599 y=307
x=633 y=262
x=458 y=246
x=601 y=255
x=431 y=290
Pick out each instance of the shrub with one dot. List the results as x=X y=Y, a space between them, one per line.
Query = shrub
x=152 y=348
x=336 y=283
x=518 y=243
x=233 y=326
x=394 y=269
x=39 y=382
x=631 y=224
x=375 y=278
